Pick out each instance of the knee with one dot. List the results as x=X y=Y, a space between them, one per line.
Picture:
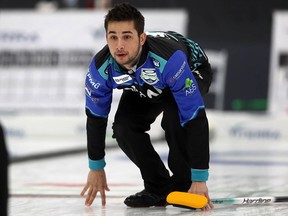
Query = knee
x=120 y=129
x=116 y=130
x=122 y=134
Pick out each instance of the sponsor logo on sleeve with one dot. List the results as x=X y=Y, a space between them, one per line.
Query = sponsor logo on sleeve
x=88 y=90
x=189 y=87
x=96 y=85
x=178 y=73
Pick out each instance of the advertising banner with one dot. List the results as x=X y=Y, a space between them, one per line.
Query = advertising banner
x=278 y=82
x=44 y=56
x=43 y=62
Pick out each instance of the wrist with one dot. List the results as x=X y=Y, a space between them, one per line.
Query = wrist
x=199 y=175
x=97 y=164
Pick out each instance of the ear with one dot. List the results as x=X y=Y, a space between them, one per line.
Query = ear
x=143 y=37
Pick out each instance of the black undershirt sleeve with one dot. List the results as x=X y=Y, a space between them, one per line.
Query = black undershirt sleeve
x=96 y=134
x=198 y=138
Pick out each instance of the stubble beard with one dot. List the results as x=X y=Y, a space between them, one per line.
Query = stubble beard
x=132 y=60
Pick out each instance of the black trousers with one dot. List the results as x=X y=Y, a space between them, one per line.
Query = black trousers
x=3 y=175
x=132 y=121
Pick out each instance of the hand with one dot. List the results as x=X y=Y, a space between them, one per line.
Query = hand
x=96 y=182
x=201 y=189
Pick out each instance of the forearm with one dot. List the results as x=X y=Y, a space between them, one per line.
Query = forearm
x=198 y=138
x=96 y=134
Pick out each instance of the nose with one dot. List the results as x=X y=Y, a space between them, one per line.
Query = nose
x=120 y=45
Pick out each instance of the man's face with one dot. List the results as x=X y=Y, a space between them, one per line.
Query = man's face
x=124 y=43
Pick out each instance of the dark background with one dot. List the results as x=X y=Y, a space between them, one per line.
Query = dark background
x=241 y=27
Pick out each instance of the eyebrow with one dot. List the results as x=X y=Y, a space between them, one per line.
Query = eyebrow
x=124 y=32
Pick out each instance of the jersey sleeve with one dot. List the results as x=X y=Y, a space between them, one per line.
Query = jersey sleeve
x=98 y=92
x=98 y=98
x=180 y=80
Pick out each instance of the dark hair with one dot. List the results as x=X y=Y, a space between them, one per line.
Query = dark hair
x=126 y=12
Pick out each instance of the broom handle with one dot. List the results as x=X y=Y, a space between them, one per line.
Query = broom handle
x=249 y=200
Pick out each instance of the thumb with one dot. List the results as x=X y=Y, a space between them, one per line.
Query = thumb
x=107 y=188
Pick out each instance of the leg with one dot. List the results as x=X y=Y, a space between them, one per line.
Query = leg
x=3 y=175
x=132 y=120
x=175 y=135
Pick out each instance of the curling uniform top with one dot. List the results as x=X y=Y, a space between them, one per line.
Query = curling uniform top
x=166 y=63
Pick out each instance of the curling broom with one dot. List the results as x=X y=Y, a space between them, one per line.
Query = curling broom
x=188 y=200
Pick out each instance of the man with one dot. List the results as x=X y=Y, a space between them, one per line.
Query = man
x=4 y=174
x=155 y=73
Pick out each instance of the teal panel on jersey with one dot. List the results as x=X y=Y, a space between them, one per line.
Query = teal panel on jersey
x=162 y=61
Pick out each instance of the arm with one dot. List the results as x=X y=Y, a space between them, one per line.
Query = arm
x=96 y=181
x=96 y=134
x=98 y=102
x=198 y=134
x=192 y=117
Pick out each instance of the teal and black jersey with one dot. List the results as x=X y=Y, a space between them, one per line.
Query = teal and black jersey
x=168 y=63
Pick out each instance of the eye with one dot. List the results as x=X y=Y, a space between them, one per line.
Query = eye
x=113 y=37
x=126 y=37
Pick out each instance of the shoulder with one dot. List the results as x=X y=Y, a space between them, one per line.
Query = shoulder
x=102 y=57
x=101 y=62
x=164 y=44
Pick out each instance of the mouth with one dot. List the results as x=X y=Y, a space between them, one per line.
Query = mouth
x=121 y=55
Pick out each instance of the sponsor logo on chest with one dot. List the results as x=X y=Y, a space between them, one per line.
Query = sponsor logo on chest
x=122 y=79
x=149 y=75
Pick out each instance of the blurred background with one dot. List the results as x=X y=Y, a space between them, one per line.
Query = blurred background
x=46 y=47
